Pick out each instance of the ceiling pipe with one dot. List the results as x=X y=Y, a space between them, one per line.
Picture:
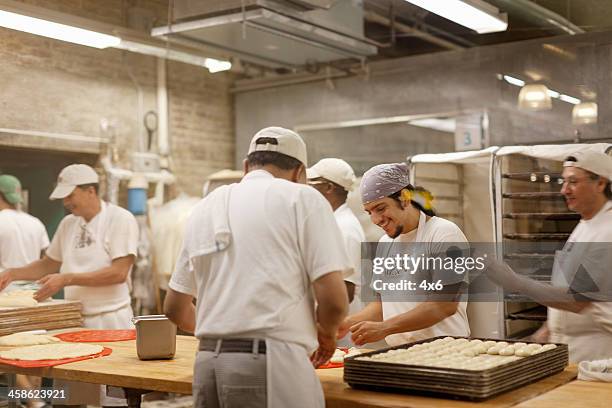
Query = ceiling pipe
x=406 y=29
x=539 y=15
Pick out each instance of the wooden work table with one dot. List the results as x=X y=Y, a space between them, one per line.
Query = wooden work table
x=123 y=369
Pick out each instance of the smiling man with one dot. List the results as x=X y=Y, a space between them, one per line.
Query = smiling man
x=404 y=212
x=580 y=297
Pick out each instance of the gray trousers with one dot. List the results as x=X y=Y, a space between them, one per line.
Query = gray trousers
x=229 y=380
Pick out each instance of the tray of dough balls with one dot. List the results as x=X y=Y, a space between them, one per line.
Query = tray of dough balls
x=456 y=367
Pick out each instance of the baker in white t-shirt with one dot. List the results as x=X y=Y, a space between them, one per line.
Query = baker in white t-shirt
x=334 y=178
x=23 y=238
x=256 y=255
x=405 y=214
x=91 y=254
x=580 y=298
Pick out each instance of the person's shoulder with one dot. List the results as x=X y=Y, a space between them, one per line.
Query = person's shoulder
x=32 y=219
x=347 y=220
x=119 y=212
x=66 y=222
x=443 y=229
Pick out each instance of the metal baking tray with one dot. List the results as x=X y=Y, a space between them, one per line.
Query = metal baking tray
x=452 y=382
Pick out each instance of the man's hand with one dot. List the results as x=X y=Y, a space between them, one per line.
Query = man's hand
x=5 y=279
x=51 y=284
x=344 y=328
x=368 y=332
x=542 y=335
x=327 y=348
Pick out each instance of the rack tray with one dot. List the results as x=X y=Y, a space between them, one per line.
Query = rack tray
x=452 y=382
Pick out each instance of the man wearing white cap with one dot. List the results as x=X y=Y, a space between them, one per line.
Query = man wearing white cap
x=254 y=254
x=334 y=179
x=580 y=298
x=93 y=250
x=90 y=256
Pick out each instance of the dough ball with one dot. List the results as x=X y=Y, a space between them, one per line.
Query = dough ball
x=534 y=347
x=507 y=351
x=523 y=352
x=471 y=352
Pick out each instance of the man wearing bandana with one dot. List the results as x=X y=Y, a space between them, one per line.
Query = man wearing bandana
x=404 y=212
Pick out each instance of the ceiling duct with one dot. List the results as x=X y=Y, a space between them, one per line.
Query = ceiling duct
x=274 y=33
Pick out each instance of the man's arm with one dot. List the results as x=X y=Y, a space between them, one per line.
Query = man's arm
x=116 y=273
x=543 y=293
x=33 y=271
x=332 y=305
x=180 y=310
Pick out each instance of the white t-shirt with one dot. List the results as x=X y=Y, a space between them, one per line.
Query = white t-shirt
x=283 y=238
x=353 y=237
x=436 y=230
x=589 y=333
x=22 y=239
x=87 y=247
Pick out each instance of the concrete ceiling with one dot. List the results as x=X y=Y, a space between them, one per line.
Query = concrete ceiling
x=527 y=19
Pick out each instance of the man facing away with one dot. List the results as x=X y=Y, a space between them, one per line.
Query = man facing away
x=23 y=238
x=256 y=255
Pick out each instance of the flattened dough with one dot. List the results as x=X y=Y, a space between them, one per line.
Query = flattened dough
x=27 y=339
x=18 y=298
x=51 y=351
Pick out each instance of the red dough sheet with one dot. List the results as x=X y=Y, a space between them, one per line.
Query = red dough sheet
x=97 y=336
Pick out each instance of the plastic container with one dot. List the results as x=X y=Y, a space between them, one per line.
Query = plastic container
x=155 y=337
x=137 y=195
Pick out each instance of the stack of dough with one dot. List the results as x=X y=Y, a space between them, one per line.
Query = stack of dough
x=460 y=353
x=51 y=351
x=18 y=298
x=27 y=339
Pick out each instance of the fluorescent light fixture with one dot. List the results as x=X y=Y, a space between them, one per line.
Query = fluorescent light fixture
x=569 y=99
x=441 y=124
x=513 y=81
x=553 y=94
x=57 y=31
x=474 y=14
x=213 y=65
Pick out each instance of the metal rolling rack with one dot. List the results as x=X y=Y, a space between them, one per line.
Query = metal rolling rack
x=532 y=222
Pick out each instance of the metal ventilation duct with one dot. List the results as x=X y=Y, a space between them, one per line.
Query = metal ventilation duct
x=274 y=33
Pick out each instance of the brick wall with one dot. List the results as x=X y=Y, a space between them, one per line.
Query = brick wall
x=53 y=86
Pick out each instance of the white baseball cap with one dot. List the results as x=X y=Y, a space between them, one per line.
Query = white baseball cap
x=72 y=176
x=281 y=140
x=335 y=170
x=596 y=162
